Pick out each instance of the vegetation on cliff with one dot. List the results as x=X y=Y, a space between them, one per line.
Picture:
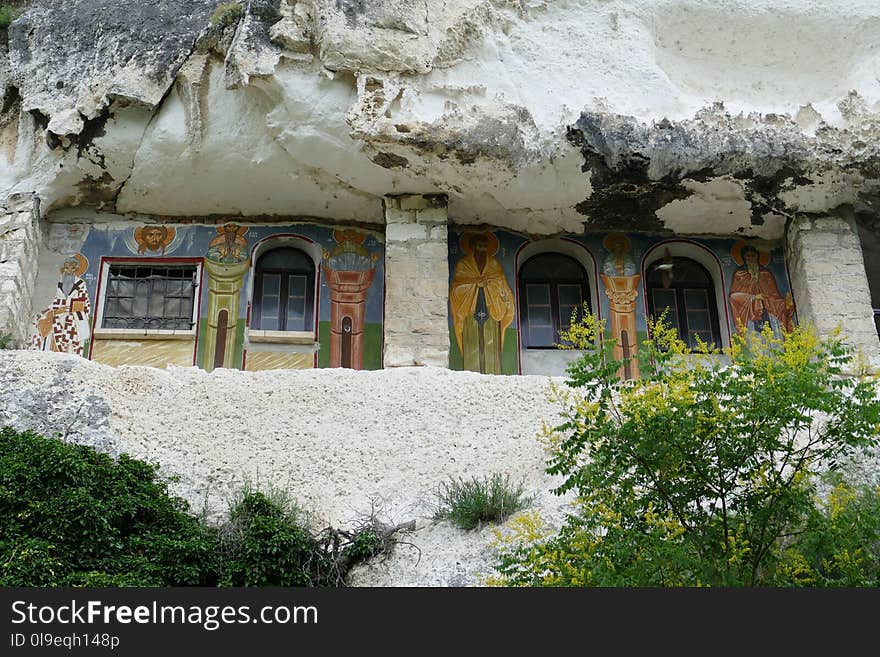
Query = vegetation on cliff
x=71 y=516
x=706 y=471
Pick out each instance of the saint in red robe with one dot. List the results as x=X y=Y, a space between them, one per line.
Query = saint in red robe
x=755 y=299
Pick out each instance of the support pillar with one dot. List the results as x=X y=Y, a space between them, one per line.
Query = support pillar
x=20 y=242
x=416 y=281
x=828 y=279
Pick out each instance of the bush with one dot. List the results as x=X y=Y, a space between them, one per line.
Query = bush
x=8 y=13
x=840 y=542
x=226 y=14
x=468 y=503
x=7 y=341
x=266 y=542
x=704 y=474
x=71 y=516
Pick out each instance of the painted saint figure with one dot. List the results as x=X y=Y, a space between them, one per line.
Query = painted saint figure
x=64 y=326
x=619 y=261
x=153 y=238
x=754 y=296
x=481 y=303
x=230 y=245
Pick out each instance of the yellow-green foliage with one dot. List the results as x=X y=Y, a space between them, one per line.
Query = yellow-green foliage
x=702 y=472
x=226 y=13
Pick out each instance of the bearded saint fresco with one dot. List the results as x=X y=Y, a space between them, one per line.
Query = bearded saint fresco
x=481 y=303
x=64 y=326
x=153 y=238
x=754 y=296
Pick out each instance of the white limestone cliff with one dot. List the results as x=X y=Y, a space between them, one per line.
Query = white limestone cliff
x=537 y=115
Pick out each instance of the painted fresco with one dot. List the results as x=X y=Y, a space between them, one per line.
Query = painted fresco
x=755 y=299
x=753 y=276
x=349 y=271
x=64 y=326
x=349 y=306
x=621 y=283
x=481 y=303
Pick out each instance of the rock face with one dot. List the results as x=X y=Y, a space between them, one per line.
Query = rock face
x=707 y=118
x=70 y=59
x=336 y=440
x=533 y=115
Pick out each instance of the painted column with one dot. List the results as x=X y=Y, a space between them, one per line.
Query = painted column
x=348 y=297
x=417 y=281
x=622 y=292
x=20 y=242
x=224 y=294
x=828 y=279
x=226 y=263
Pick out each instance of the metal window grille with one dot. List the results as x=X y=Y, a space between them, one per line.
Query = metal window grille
x=148 y=297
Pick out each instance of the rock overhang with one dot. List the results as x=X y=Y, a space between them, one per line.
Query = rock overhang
x=538 y=116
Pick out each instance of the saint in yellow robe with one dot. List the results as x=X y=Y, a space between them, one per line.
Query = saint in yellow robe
x=482 y=308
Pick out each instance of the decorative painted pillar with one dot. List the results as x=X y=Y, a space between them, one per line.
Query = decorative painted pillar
x=828 y=279
x=622 y=292
x=226 y=263
x=348 y=298
x=416 y=281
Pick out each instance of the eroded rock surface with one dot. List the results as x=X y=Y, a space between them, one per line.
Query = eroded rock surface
x=535 y=115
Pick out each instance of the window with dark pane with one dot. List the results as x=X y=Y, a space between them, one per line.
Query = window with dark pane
x=284 y=291
x=552 y=286
x=150 y=297
x=684 y=289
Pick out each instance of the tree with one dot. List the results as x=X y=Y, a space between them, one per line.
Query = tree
x=703 y=471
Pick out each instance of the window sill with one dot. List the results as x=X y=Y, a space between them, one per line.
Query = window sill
x=142 y=334
x=282 y=337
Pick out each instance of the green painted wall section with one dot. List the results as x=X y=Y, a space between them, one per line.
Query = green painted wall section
x=509 y=357
x=372 y=345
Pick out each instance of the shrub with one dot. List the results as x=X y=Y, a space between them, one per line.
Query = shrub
x=704 y=474
x=468 y=503
x=226 y=14
x=840 y=542
x=7 y=341
x=8 y=13
x=70 y=516
x=266 y=542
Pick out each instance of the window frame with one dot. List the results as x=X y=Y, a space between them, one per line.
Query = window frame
x=553 y=284
x=99 y=332
x=681 y=309
x=256 y=331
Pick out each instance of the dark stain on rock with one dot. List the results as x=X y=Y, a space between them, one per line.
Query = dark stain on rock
x=635 y=169
x=351 y=9
x=11 y=99
x=390 y=160
x=469 y=137
x=78 y=41
x=624 y=197
x=92 y=129
x=99 y=192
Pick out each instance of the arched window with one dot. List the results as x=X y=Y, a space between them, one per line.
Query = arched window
x=551 y=287
x=684 y=288
x=284 y=291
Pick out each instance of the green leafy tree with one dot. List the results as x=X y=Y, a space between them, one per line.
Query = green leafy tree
x=702 y=471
